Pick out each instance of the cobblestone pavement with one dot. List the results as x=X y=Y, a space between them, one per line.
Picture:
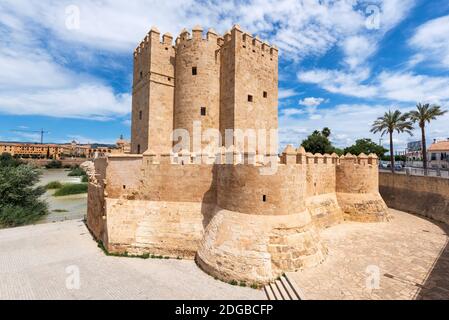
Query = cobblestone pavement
x=410 y=253
x=42 y=261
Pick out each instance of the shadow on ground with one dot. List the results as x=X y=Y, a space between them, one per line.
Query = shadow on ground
x=436 y=284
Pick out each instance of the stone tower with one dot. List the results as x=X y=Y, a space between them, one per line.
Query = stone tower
x=153 y=93
x=197 y=89
x=228 y=82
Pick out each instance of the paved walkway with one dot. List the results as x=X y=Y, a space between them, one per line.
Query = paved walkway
x=43 y=261
x=410 y=254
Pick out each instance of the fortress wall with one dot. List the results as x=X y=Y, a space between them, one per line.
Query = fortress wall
x=321 y=186
x=175 y=182
x=242 y=188
x=96 y=214
x=320 y=178
x=164 y=228
x=167 y=214
x=202 y=90
x=427 y=196
x=123 y=175
x=358 y=189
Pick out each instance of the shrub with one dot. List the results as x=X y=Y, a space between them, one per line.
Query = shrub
x=54 y=164
x=53 y=185
x=85 y=179
x=14 y=215
x=69 y=189
x=20 y=201
x=77 y=172
x=59 y=210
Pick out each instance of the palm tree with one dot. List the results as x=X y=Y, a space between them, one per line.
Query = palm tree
x=425 y=113
x=392 y=121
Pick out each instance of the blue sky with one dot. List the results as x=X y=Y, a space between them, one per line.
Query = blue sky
x=66 y=66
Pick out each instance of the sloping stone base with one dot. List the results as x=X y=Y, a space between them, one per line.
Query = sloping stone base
x=256 y=249
x=363 y=207
x=325 y=210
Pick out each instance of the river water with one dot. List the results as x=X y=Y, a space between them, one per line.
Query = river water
x=62 y=208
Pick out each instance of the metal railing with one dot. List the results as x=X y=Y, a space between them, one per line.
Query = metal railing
x=434 y=172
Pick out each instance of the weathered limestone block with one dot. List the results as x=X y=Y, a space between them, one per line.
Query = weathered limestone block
x=363 y=207
x=256 y=248
x=325 y=210
x=172 y=229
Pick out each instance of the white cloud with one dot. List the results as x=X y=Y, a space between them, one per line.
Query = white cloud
x=357 y=49
x=349 y=122
x=409 y=87
x=86 y=101
x=432 y=41
x=33 y=83
x=311 y=102
x=287 y=93
x=299 y=27
x=341 y=82
x=395 y=86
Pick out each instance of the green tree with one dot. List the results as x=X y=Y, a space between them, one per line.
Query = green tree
x=425 y=113
x=19 y=198
x=326 y=132
x=318 y=142
x=390 y=122
x=366 y=146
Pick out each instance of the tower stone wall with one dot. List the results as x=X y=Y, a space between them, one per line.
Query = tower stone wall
x=220 y=83
x=153 y=94
x=197 y=96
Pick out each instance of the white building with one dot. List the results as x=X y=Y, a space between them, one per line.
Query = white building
x=438 y=154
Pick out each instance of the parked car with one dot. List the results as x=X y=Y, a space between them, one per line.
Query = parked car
x=383 y=165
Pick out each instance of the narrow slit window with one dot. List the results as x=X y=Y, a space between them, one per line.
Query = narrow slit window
x=265 y=94
x=203 y=111
x=124 y=187
x=194 y=71
x=250 y=98
x=141 y=74
x=264 y=198
x=140 y=115
x=138 y=149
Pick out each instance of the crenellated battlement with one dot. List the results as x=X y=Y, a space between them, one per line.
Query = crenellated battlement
x=248 y=41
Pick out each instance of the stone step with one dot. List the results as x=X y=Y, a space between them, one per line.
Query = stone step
x=282 y=290
x=269 y=293
x=276 y=292
x=291 y=293
x=295 y=288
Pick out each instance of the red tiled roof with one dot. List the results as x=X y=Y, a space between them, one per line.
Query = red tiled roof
x=440 y=146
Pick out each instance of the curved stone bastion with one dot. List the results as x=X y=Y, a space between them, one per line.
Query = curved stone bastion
x=236 y=221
